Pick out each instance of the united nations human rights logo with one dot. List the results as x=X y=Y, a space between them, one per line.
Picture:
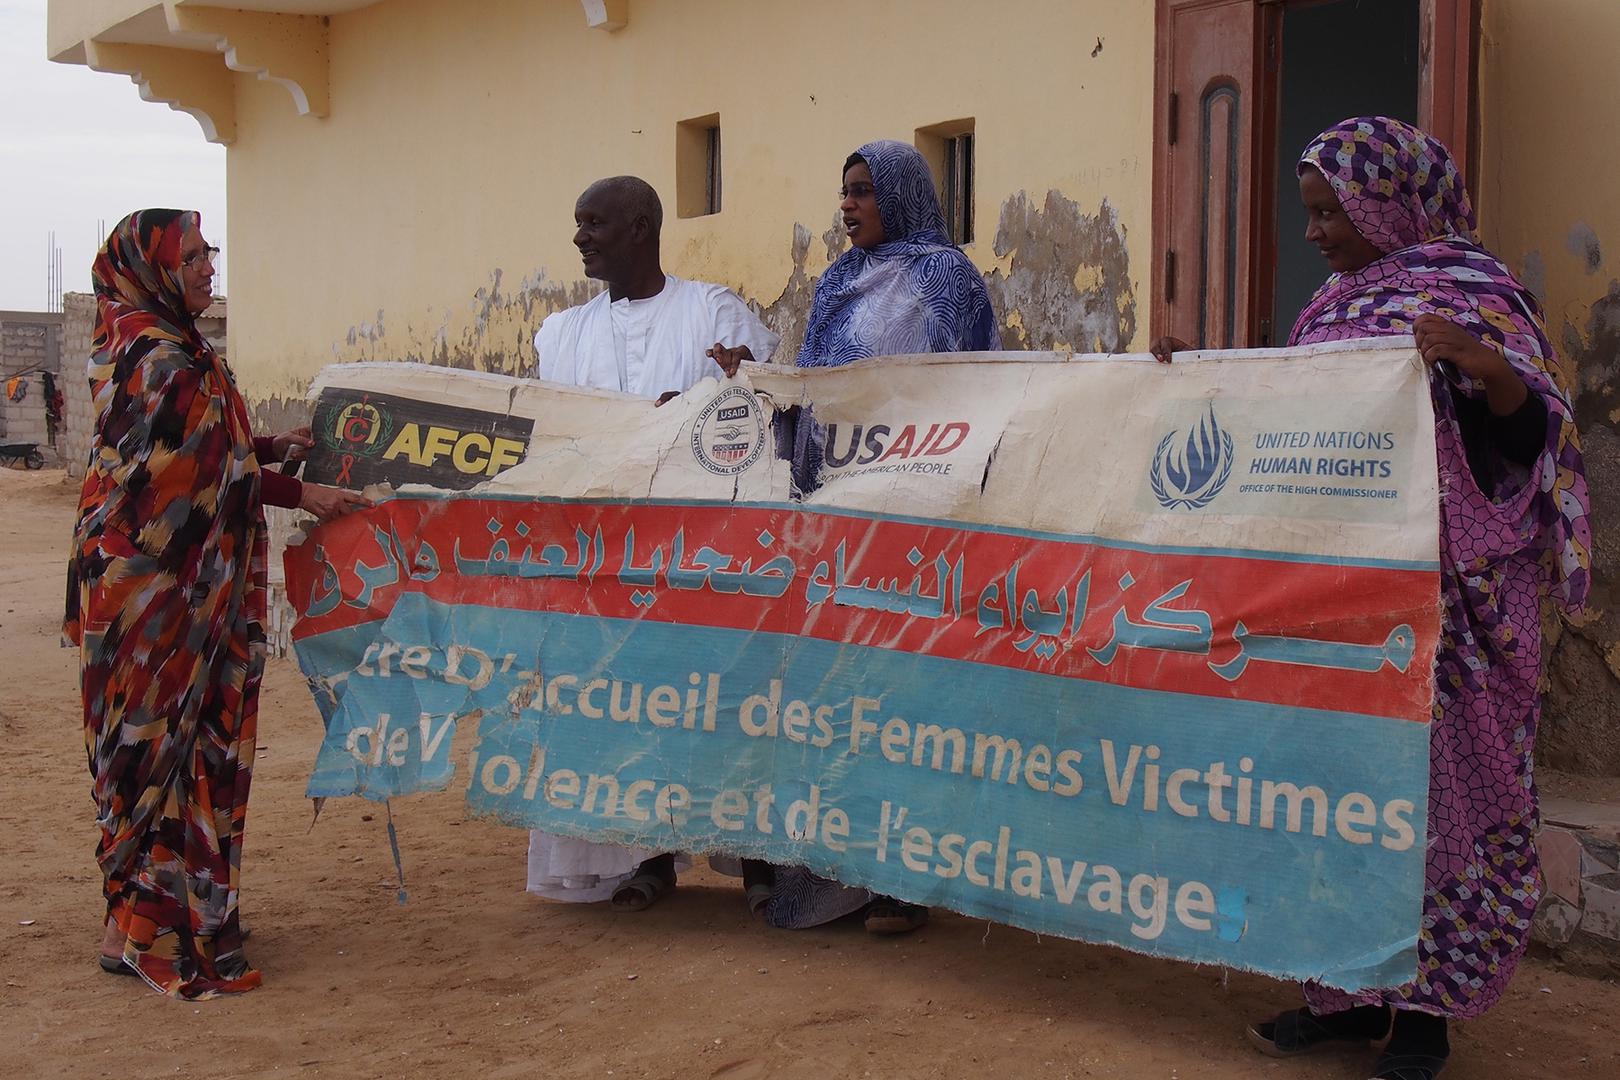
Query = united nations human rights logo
x=729 y=433
x=1188 y=474
x=358 y=427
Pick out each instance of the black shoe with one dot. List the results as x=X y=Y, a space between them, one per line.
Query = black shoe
x=1299 y=1031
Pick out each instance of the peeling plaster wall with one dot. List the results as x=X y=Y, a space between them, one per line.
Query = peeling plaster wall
x=1546 y=207
x=429 y=218
x=1063 y=279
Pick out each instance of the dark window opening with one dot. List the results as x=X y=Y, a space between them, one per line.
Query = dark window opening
x=958 y=182
x=711 y=172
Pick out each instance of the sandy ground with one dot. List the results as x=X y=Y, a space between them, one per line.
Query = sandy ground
x=473 y=978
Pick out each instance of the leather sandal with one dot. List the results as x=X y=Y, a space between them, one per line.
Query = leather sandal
x=641 y=892
x=114 y=965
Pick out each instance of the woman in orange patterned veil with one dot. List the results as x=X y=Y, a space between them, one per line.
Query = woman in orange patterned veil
x=166 y=601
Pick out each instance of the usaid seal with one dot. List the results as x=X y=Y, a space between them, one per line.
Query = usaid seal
x=1189 y=476
x=729 y=434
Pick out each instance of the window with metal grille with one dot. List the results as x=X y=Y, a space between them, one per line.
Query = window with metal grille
x=958 y=183
x=949 y=150
x=697 y=166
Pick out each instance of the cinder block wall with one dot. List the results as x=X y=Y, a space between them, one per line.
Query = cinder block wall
x=24 y=421
x=29 y=342
x=28 y=339
x=78 y=419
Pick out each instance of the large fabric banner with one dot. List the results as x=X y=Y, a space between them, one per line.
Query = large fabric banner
x=1111 y=650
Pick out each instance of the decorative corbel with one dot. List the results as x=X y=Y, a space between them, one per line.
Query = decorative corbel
x=287 y=49
x=183 y=79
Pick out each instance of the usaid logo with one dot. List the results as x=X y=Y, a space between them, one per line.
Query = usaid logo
x=1188 y=474
x=864 y=444
x=730 y=432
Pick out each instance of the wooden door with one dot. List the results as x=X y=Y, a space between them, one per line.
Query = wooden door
x=1214 y=164
x=1206 y=167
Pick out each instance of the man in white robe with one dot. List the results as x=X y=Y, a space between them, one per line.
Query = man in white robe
x=650 y=333
x=654 y=335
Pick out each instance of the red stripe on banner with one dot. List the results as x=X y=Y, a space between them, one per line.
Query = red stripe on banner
x=1290 y=633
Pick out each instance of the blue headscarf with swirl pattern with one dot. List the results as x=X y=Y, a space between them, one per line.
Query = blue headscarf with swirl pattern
x=913 y=293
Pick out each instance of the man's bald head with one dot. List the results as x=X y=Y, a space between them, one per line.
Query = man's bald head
x=618 y=222
x=630 y=195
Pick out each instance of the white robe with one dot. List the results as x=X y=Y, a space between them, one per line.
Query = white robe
x=643 y=347
x=648 y=347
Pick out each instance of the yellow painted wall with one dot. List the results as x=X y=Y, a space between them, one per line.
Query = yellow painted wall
x=430 y=216
x=1549 y=90
x=1548 y=86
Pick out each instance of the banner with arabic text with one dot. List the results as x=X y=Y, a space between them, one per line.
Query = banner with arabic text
x=1117 y=651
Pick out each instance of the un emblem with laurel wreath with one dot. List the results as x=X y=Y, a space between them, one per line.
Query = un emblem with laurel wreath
x=1188 y=475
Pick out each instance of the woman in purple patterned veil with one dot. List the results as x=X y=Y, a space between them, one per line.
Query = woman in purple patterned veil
x=1389 y=212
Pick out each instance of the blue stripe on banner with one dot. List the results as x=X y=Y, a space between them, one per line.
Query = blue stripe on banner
x=1230 y=832
x=1430 y=565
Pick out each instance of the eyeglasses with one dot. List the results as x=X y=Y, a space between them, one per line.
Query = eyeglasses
x=209 y=255
x=857 y=190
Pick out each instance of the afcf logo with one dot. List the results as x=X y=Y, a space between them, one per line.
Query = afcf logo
x=471 y=452
x=359 y=428
x=879 y=442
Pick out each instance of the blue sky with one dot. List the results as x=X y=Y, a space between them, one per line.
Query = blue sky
x=77 y=146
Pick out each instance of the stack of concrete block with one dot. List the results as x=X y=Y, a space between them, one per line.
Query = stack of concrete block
x=78 y=416
x=1579 y=919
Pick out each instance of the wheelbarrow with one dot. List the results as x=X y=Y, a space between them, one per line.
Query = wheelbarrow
x=25 y=454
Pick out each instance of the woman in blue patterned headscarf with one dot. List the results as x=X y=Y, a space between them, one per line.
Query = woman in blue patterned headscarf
x=901 y=289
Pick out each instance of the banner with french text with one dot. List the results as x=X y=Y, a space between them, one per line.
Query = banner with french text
x=1125 y=652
